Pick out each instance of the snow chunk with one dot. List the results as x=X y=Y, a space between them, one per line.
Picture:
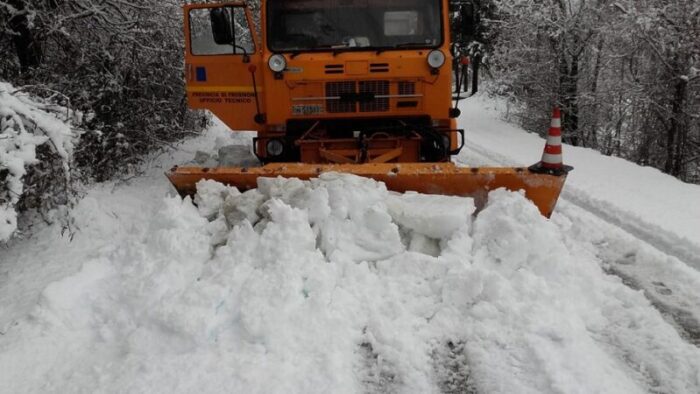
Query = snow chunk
x=238 y=208
x=510 y=234
x=434 y=216
x=348 y=214
x=210 y=197
x=288 y=233
x=369 y=236
x=358 y=226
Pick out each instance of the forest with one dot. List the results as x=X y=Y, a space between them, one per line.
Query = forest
x=626 y=74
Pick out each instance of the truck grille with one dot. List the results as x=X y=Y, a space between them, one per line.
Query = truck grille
x=355 y=94
x=316 y=98
x=407 y=88
x=378 y=88
x=339 y=89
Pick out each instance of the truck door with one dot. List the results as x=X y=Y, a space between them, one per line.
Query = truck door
x=222 y=60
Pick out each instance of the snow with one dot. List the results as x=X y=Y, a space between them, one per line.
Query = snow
x=652 y=205
x=338 y=285
x=432 y=216
x=25 y=124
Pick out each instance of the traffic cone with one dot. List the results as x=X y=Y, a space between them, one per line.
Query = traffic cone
x=552 y=159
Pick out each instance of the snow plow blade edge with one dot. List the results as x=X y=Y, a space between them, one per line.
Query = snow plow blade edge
x=428 y=178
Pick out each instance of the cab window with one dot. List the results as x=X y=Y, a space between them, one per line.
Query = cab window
x=220 y=31
x=302 y=25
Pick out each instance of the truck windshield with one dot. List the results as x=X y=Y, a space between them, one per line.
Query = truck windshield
x=300 y=25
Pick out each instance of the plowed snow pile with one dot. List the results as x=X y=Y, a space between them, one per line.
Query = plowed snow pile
x=337 y=285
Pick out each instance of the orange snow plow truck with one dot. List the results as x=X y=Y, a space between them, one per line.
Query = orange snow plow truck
x=367 y=87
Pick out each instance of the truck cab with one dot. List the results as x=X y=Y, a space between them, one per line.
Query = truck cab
x=328 y=81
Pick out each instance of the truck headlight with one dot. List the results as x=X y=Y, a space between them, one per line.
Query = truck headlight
x=277 y=63
x=274 y=148
x=436 y=59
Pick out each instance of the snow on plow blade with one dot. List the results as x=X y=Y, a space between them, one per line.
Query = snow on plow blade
x=429 y=178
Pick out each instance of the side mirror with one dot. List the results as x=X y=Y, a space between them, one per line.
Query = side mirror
x=222 y=26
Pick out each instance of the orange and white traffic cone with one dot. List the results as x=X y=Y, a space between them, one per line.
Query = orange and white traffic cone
x=552 y=159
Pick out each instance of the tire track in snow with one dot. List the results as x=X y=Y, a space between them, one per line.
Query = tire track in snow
x=660 y=239
x=685 y=323
x=449 y=363
x=680 y=316
x=669 y=284
x=377 y=376
x=452 y=368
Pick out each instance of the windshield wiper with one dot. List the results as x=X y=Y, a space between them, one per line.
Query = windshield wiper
x=337 y=51
x=402 y=45
x=337 y=48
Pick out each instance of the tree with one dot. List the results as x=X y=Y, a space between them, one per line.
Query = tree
x=625 y=74
x=119 y=61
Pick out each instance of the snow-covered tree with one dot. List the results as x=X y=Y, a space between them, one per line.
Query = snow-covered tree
x=625 y=74
x=33 y=133
x=119 y=60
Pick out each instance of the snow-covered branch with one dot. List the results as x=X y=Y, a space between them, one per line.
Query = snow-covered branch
x=26 y=123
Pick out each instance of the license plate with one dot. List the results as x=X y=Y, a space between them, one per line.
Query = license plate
x=307 y=109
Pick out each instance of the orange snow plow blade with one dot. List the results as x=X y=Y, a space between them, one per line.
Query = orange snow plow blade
x=428 y=178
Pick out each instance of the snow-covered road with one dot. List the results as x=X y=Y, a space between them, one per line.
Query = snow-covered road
x=642 y=224
x=337 y=285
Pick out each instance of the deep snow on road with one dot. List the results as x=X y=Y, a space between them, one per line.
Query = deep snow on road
x=651 y=205
x=643 y=225
x=337 y=285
